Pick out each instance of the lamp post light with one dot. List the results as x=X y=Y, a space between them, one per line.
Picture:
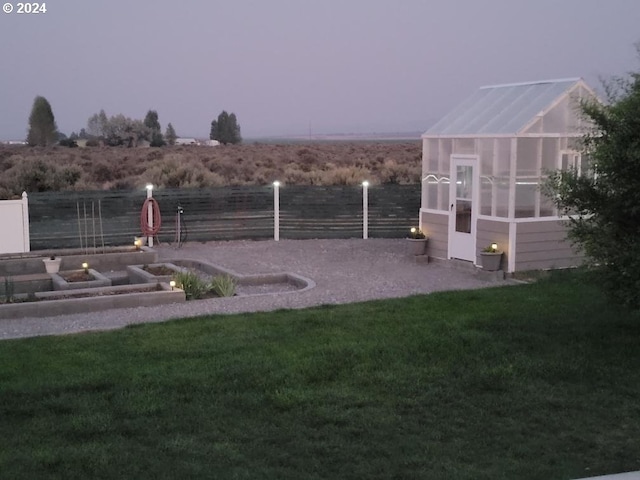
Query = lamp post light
x=365 y=209
x=276 y=211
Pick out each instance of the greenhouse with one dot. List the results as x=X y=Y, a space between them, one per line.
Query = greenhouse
x=482 y=167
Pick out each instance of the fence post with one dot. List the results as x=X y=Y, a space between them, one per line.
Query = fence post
x=150 y=213
x=365 y=210
x=276 y=211
x=26 y=245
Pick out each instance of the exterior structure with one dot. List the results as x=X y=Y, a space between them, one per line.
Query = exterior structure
x=482 y=167
x=186 y=141
x=14 y=218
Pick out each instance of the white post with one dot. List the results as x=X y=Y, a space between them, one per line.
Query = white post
x=276 y=211
x=365 y=210
x=150 y=214
x=25 y=223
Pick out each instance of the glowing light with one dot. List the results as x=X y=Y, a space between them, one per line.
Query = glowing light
x=172 y=284
x=276 y=183
x=365 y=183
x=149 y=187
x=494 y=247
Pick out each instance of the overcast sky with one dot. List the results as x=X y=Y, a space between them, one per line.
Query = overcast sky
x=290 y=66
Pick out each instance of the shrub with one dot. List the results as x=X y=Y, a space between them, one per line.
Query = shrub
x=9 y=288
x=194 y=287
x=223 y=285
x=68 y=142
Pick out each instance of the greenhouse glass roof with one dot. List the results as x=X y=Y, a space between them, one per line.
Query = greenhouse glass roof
x=501 y=109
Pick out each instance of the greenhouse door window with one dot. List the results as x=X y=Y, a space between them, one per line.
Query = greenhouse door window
x=463 y=208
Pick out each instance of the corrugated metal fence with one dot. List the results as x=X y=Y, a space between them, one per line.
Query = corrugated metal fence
x=88 y=219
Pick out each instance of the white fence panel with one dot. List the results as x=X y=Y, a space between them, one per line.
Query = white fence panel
x=14 y=221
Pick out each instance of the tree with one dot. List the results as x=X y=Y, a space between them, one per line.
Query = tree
x=42 y=124
x=97 y=124
x=605 y=205
x=170 y=134
x=225 y=129
x=151 y=120
x=152 y=123
x=117 y=130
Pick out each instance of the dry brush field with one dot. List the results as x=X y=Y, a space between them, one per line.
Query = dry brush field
x=112 y=168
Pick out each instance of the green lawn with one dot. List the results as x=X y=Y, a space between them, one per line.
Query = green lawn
x=538 y=381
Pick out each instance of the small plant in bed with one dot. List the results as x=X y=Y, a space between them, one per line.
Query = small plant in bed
x=223 y=286
x=194 y=287
x=9 y=289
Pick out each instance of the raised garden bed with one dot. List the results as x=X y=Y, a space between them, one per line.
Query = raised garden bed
x=113 y=258
x=79 y=279
x=153 y=273
x=68 y=302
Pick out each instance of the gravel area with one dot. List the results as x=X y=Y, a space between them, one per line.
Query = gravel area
x=344 y=271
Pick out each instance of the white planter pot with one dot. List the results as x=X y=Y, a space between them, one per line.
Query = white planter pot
x=52 y=265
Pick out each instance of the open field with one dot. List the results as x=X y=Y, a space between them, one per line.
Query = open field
x=102 y=168
x=536 y=381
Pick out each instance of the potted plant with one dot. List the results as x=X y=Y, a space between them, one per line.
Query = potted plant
x=52 y=264
x=490 y=258
x=417 y=241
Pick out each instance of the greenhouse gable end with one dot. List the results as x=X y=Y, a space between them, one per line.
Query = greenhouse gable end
x=482 y=167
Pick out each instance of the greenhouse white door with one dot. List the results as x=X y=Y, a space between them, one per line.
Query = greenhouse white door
x=463 y=209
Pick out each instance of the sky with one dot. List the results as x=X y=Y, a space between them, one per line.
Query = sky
x=294 y=67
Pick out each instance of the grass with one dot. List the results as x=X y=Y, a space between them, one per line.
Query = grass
x=536 y=381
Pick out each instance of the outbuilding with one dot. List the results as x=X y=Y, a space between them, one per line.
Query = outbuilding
x=482 y=168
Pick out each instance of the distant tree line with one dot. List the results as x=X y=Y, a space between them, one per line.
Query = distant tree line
x=119 y=130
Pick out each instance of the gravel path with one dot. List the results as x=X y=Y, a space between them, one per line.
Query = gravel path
x=344 y=271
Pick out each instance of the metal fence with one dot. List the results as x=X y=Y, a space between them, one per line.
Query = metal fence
x=92 y=219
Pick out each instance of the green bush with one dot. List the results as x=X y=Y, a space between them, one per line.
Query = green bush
x=194 y=287
x=223 y=285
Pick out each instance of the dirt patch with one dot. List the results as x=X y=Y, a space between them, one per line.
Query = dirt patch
x=80 y=276
x=159 y=270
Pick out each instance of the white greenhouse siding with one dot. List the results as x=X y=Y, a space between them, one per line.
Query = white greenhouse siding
x=436 y=227
x=490 y=231
x=544 y=245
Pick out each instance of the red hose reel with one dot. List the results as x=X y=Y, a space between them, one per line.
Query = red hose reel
x=156 y=220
